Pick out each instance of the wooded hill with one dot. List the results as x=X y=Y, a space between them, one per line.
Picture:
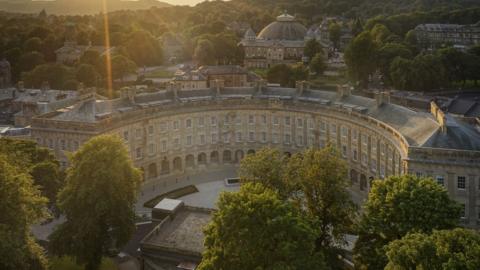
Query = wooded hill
x=75 y=7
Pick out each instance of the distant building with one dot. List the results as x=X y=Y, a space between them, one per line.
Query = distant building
x=231 y=75
x=177 y=241
x=204 y=76
x=171 y=133
x=322 y=32
x=190 y=79
x=5 y=73
x=281 y=42
x=29 y=103
x=71 y=52
x=20 y=105
x=432 y=36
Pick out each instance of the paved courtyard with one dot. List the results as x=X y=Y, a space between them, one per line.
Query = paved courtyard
x=209 y=184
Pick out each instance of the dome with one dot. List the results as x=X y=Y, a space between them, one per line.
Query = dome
x=284 y=28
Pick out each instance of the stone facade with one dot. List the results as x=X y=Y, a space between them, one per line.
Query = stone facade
x=281 y=42
x=199 y=131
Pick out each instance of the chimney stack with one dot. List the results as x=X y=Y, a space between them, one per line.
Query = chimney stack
x=128 y=93
x=260 y=85
x=382 y=98
x=217 y=85
x=45 y=86
x=343 y=90
x=301 y=86
x=439 y=116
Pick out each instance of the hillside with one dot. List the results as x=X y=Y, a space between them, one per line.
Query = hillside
x=74 y=7
x=359 y=8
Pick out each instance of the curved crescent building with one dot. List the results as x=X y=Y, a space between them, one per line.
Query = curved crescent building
x=176 y=131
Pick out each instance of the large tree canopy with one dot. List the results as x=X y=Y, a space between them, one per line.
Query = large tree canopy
x=361 y=57
x=442 y=250
x=397 y=206
x=97 y=201
x=316 y=181
x=21 y=205
x=255 y=229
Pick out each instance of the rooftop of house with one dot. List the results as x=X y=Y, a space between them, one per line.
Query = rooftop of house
x=181 y=232
x=418 y=128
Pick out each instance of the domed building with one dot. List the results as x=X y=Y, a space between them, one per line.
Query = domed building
x=280 y=42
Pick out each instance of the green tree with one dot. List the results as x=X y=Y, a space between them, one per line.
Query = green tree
x=380 y=33
x=360 y=57
x=103 y=183
x=91 y=57
x=401 y=73
x=255 y=229
x=30 y=60
x=429 y=73
x=48 y=177
x=335 y=33
x=387 y=53
x=266 y=167
x=299 y=73
x=397 y=206
x=204 y=53
x=144 y=49
x=312 y=47
x=87 y=74
x=411 y=38
x=55 y=74
x=455 y=63
x=321 y=176
x=33 y=44
x=122 y=66
x=280 y=74
x=21 y=206
x=38 y=162
x=442 y=250
x=318 y=64
x=316 y=182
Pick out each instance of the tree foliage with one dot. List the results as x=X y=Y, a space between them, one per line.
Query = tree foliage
x=397 y=206
x=312 y=47
x=21 y=205
x=442 y=250
x=360 y=57
x=102 y=182
x=316 y=180
x=204 y=53
x=255 y=229
x=144 y=49
x=335 y=33
x=318 y=64
x=287 y=75
x=38 y=162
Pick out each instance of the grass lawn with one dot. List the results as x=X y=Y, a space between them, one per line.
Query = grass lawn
x=159 y=73
x=174 y=194
x=68 y=263
x=260 y=72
